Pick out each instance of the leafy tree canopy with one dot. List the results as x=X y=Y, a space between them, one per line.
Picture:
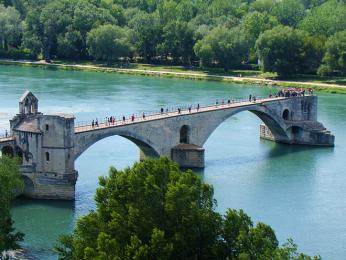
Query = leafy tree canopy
x=166 y=31
x=326 y=19
x=155 y=211
x=289 y=12
x=108 y=42
x=224 y=46
x=334 y=60
x=11 y=184
x=281 y=49
x=10 y=27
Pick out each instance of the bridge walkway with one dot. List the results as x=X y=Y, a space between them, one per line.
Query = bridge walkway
x=159 y=116
x=6 y=139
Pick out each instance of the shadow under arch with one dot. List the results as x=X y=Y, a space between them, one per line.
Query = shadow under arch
x=275 y=123
x=28 y=186
x=7 y=151
x=144 y=146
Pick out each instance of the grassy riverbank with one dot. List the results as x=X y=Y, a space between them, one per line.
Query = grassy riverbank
x=325 y=84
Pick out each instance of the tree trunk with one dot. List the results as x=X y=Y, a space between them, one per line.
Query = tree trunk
x=46 y=50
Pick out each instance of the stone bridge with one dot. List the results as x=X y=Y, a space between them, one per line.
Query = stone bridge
x=50 y=144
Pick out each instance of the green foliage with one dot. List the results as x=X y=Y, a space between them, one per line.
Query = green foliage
x=11 y=184
x=262 y=5
x=155 y=211
x=288 y=51
x=108 y=42
x=288 y=12
x=166 y=31
x=178 y=41
x=147 y=34
x=326 y=19
x=334 y=60
x=255 y=23
x=224 y=46
x=10 y=27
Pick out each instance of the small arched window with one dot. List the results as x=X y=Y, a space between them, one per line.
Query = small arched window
x=286 y=114
x=184 y=134
x=47 y=157
x=47 y=127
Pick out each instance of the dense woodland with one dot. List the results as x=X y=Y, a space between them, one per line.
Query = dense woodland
x=283 y=36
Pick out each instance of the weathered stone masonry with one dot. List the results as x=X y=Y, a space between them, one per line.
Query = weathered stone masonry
x=50 y=144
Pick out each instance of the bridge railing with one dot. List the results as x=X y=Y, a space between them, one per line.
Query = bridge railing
x=4 y=137
x=151 y=115
x=167 y=112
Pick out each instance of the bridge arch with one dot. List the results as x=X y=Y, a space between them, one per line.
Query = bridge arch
x=28 y=186
x=84 y=141
x=7 y=150
x=272 y=120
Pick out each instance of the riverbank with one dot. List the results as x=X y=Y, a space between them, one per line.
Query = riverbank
x=185 y=74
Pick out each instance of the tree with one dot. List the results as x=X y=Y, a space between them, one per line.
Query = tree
x=326 y=19
x=178 y=41
x=108 y=42
x=85 y=16
x=281 y=50
x=10 y=27
x=334 y=60
x=262 y=6
x=11 y=184
x=43 y=24
x=288 y=12
x=147 y=33
x=254 y=24
x=236 y=8
x=155 y=211
x=224 y=46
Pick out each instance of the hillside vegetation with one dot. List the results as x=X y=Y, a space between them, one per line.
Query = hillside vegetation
x=286 y=37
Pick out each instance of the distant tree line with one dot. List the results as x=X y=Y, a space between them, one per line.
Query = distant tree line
x=287 y=37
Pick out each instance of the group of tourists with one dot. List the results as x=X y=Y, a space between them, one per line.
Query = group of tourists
x=252 y=98
x=110 y=120
x=229 y=101
x=95 y=123
x=293 y=92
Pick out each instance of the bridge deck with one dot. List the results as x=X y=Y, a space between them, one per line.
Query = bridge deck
x=6 y=139
x=158 y=116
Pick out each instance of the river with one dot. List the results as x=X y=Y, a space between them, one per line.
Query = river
x=299 y=191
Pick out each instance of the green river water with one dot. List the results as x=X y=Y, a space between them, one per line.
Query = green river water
x=299 y=191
